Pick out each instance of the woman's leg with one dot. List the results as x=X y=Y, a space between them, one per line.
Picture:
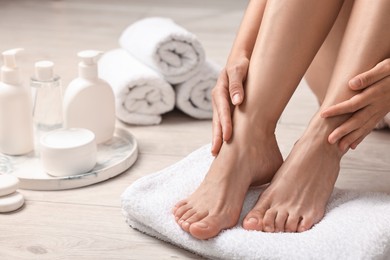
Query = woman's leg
x=299 y=191
x=290 y=34
x=320 y=71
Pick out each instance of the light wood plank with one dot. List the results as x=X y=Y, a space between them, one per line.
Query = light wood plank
x=43 y=230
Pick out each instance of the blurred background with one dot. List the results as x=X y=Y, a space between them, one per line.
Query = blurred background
x=56 y=30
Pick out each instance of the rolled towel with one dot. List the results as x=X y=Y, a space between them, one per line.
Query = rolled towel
x=164 y=46
x=384 y=123
x=193 y=96
x=141 y=94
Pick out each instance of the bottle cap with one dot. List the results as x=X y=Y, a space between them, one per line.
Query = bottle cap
x=88 y=64
x=44 y=70
x=10 y=71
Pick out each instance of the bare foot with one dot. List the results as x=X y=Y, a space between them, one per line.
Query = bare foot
x=298 y=194
x=217 y=203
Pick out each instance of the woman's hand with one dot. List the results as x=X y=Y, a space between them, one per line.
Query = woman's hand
x=227 y=93
x=367 y=107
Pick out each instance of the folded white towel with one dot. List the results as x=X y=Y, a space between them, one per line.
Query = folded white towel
x=193 y=96
x=164 y=46
x=142 y=95
x=356 y=225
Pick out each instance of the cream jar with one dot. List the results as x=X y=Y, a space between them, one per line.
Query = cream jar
x=67 y=152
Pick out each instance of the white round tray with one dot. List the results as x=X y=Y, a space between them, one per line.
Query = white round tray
x=113 y=158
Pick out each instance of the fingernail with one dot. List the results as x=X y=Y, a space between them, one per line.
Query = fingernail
x=355 y=82
x=236 y=99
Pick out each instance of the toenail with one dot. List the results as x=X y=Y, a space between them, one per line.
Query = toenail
x=181 y=221
x=268 y=229
x=176 y=218
x=185 y=224
x=302 y=229
x=252 y=221
x=202 y=225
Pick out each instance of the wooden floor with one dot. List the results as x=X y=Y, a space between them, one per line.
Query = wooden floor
x=86 y=223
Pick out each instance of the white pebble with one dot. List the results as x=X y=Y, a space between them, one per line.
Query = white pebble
x=8 y=184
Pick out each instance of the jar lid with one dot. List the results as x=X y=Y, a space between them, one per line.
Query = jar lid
x=66 y=152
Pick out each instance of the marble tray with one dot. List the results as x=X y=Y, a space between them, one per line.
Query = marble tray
x=113 y=158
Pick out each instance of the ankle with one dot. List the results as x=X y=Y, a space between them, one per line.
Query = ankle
x=253 y=129
x=255 y=121
x=317 y=136
x=325 y=126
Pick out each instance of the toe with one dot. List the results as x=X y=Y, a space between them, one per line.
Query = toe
x=310 y=219
x=181 y=211
x=206 y=228
x=189 y=213
x=305 y=224
x=178 y=205
x=183 y=220
x=254 y=219
x=196 y=217
x=185 y=225
x=280 y=221
x=269 y=221
x=292 y=223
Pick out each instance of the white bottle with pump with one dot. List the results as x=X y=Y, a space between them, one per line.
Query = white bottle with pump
x=89 y=101
x=16 y=123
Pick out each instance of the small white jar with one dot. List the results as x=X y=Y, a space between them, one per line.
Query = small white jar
x=67 y=152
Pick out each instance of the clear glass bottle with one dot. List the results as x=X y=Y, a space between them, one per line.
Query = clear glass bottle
x=47 y=99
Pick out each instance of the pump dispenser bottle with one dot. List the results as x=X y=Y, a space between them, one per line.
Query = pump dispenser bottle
x=89 y=101
x=16 y=126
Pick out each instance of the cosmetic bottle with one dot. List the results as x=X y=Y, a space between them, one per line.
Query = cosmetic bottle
x=47 y=96
x=89 y=101
x=16 y=127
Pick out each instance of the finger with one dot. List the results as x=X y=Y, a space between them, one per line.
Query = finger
x=355 y=144
x=365 y=79
x=348 y=106
x=356 y=121
x=217 y=135
x=347 y=127
x=236 y=75
x=354 y=138
x=222 y=107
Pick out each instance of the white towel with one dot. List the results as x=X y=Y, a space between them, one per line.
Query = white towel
x=356 y=225
x=193 y=96
x=142 y=95
x=164 y=46
x=384 y=123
